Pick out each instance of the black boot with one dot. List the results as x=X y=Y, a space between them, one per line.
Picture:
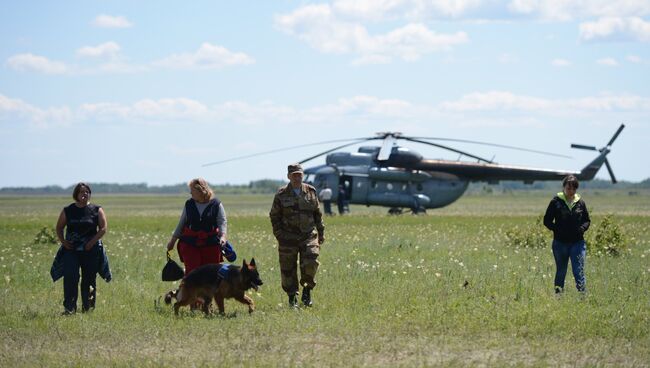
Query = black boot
x=293 y=301
x=306 y=297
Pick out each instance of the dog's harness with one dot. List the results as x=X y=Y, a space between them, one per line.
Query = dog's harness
x=223 y=271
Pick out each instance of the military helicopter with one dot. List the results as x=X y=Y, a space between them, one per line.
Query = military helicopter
x=398 y=177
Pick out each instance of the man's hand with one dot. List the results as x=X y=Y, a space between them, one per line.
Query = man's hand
x=67 y=245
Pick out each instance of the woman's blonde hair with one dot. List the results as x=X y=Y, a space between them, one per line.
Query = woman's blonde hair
x=202 y=186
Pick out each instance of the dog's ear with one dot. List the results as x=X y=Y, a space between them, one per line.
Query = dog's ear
x=244 y=265
x=252 y=262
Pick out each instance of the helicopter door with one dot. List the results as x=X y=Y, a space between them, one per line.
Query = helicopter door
x=345 y=182
x=344 y=193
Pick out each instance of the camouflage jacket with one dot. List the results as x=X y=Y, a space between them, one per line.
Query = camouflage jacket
x=296 y=217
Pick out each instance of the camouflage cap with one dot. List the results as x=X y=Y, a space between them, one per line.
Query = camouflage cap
x=294 y=168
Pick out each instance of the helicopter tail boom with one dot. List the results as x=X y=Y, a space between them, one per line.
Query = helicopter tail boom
x=590 y=171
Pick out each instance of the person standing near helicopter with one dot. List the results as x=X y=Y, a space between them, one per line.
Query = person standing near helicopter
x=325 y=195
x=298 y=226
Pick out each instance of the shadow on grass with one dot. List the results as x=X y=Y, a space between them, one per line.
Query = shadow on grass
x=162 y=309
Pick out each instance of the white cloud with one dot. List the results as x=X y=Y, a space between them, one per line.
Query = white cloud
x=495 y=100
x=567 y=10
x=322 y=29
x=30 y=62
x=607 y=103
x=364 y=108
x=107 y=49
x=316 y=25
x=607 y=62
x=13 y=106
x=633 y=59
x=406 y=9
x=110 y=21
x=560 y=63
x=507 y=101
x=495 y=106
x=15 y=110
x=147 y=110
x=479 y=10
x=341 y=26
x=616 y=29
x=208 y=56
x=169 y=109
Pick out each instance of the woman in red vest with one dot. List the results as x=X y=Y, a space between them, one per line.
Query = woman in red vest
x=202 y=228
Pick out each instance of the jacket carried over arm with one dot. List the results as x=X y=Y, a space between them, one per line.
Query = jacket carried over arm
x=568 y=221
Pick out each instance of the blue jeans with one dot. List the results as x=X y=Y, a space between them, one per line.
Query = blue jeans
x=576 y=252
x=88 y=262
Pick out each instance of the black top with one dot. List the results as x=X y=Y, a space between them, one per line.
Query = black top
x=82 y=224
x=568 y=224
x=207 y=221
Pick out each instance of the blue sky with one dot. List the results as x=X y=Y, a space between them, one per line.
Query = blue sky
x=144 y=91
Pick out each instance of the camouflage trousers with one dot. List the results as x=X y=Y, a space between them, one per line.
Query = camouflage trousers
x=289 y=250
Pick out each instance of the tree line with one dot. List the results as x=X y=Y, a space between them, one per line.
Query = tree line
x=270 y=186
x=264 y=186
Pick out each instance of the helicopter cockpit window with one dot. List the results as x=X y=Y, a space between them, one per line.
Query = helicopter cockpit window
x=310 y=178
x=389 y=186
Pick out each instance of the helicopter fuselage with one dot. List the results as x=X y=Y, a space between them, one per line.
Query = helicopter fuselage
x=364 y=181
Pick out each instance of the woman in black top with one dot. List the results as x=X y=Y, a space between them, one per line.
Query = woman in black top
x=568 y=218
x=85 y=224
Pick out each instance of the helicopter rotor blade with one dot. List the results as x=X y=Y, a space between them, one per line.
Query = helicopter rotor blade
x=494 y=145
x=386 y=148
x=334 y=149
x=581 y=146
x=611 y=172
x=448 y=149
x=620 y=129
x=281 y=150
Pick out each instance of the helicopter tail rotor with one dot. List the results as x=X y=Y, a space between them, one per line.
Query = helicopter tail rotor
x=611 y=173
x=581 y=146
x=590 y=170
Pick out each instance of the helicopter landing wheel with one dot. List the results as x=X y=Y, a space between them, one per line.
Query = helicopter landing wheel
x=395 y=211
x=418 y=210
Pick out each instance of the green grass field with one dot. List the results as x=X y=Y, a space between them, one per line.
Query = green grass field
x=390 y=291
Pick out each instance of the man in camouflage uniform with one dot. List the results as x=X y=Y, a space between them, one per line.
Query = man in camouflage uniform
x=298 y=226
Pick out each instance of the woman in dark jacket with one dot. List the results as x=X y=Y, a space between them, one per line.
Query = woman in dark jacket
x=568 y=218
x=85 y=224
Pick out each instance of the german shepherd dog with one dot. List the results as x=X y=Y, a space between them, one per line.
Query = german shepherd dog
x=221 y=281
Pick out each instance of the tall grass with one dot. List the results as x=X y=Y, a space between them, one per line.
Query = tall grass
x=441 y=289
